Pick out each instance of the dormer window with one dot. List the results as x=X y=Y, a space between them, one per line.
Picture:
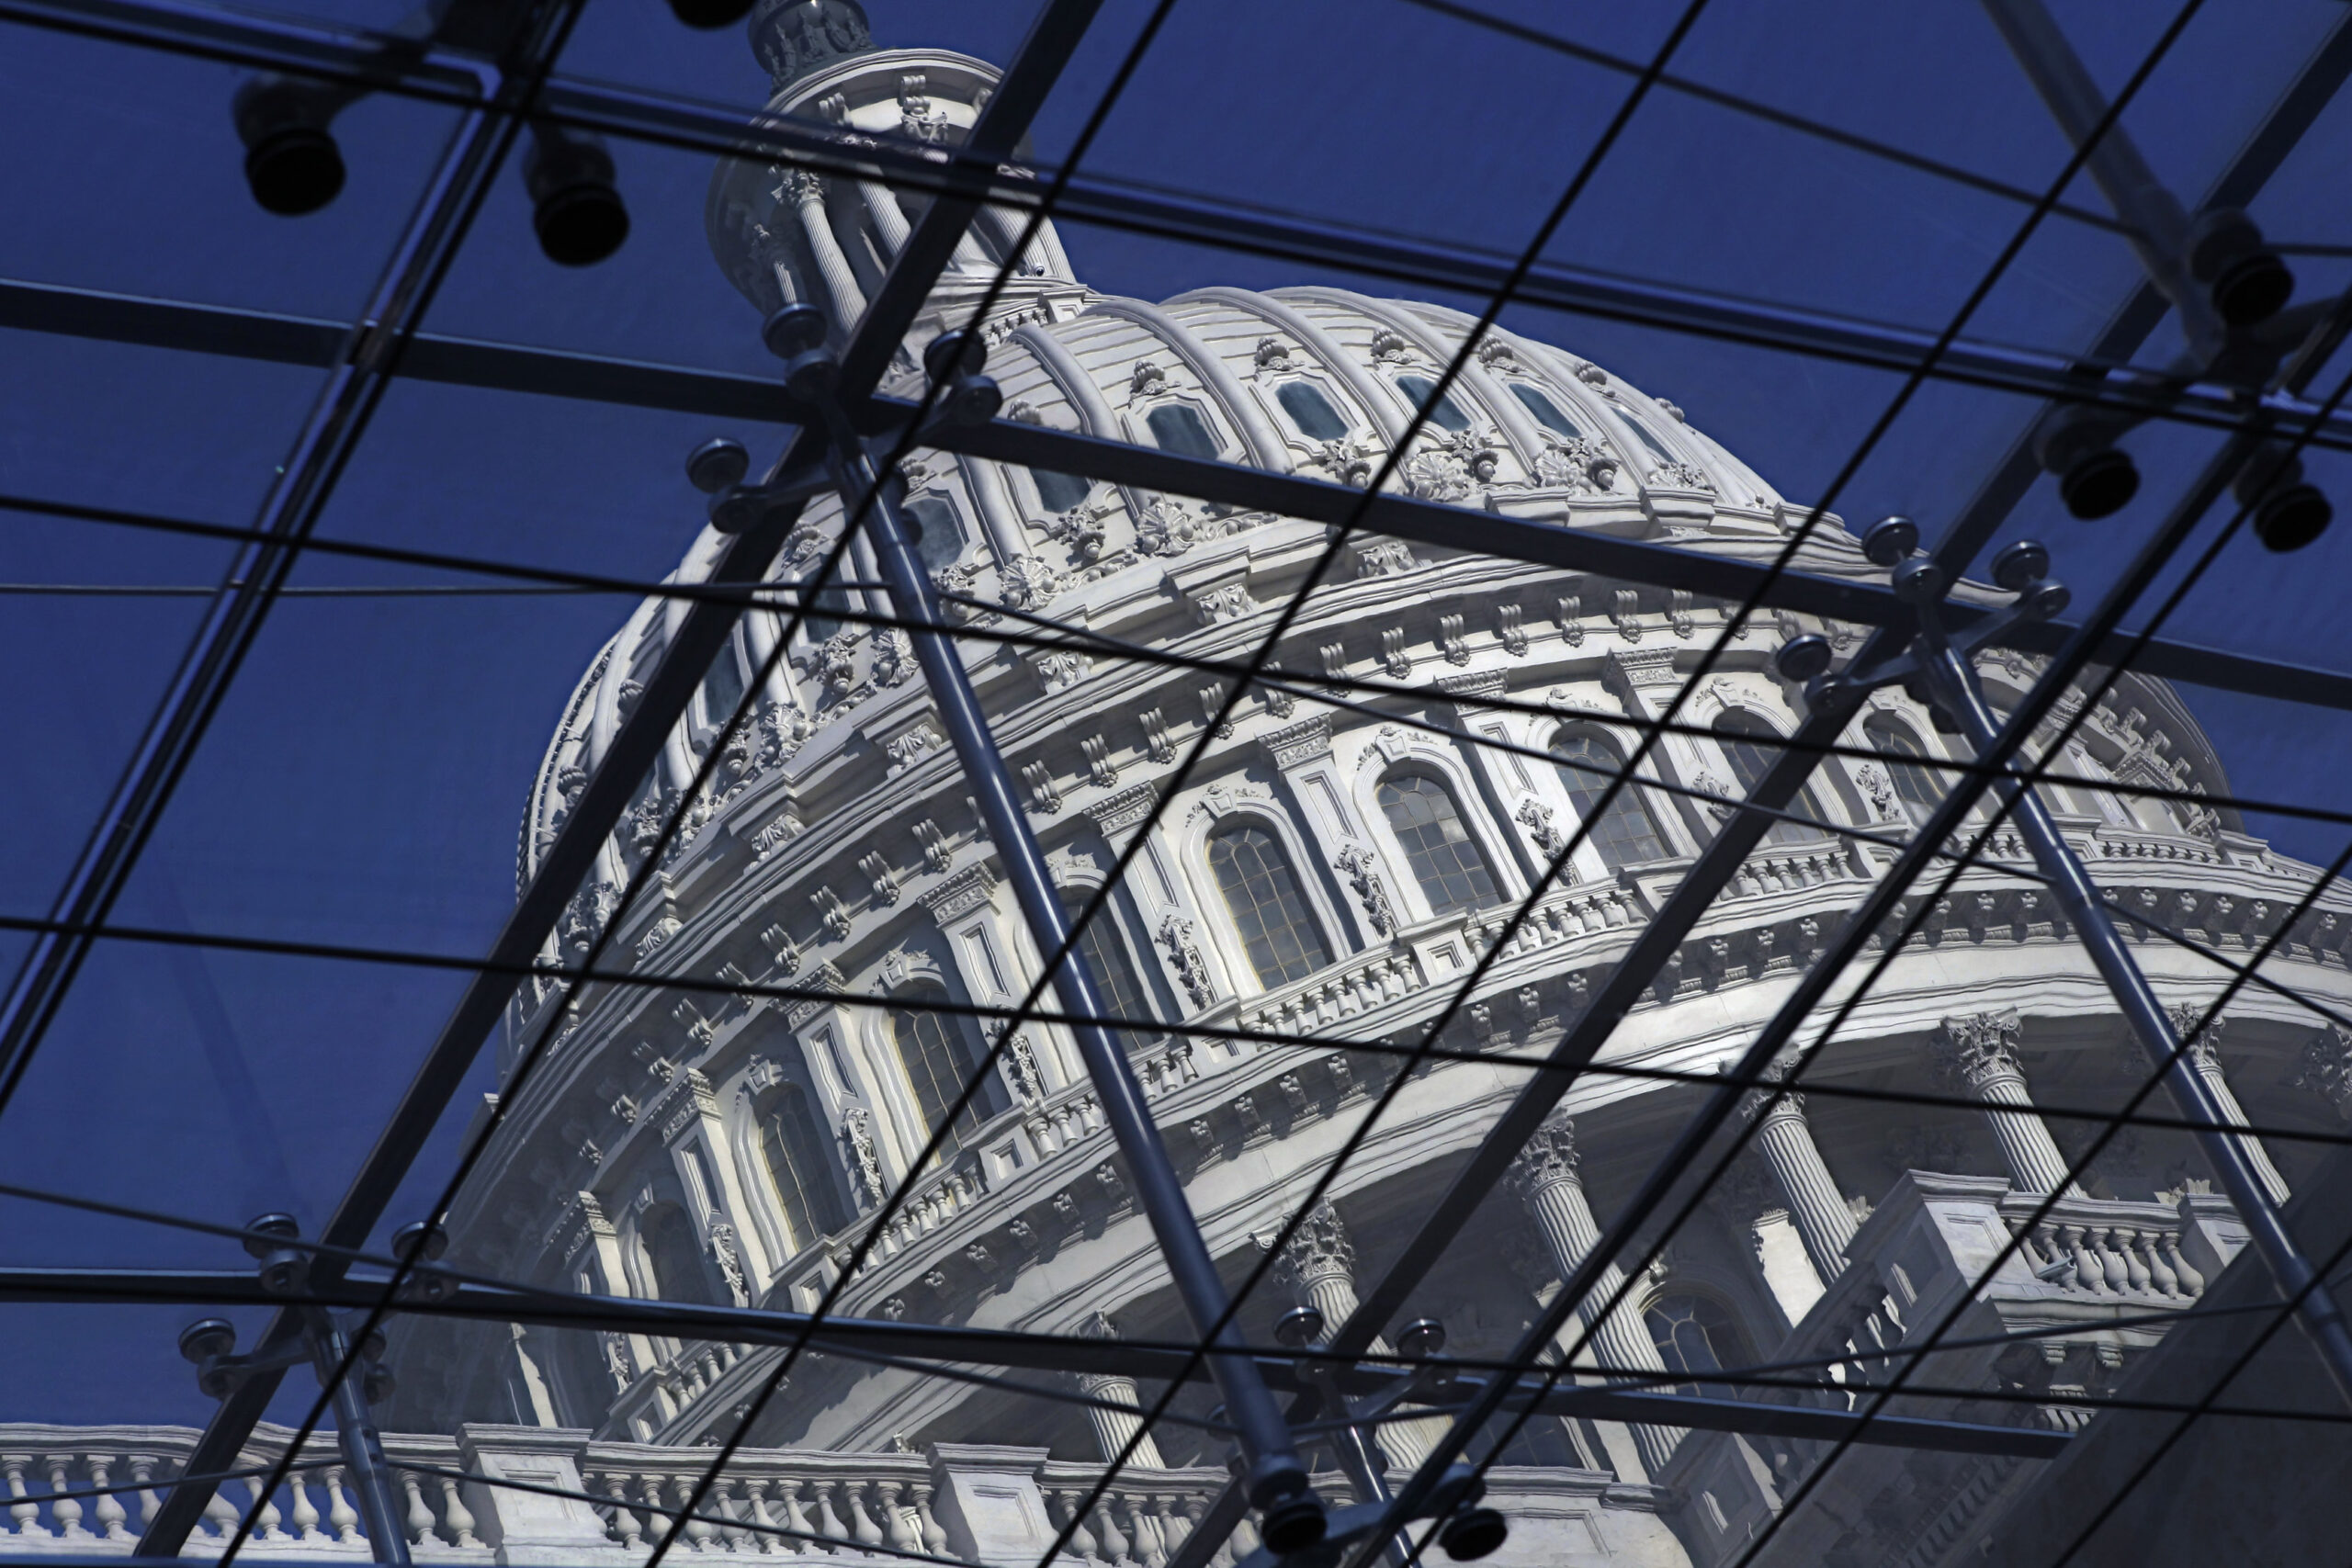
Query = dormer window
x=1179 y=427
x=1058 y=491
x=941 y=539
x=1444 y=412
x=1310 y=410
x=1548 y=414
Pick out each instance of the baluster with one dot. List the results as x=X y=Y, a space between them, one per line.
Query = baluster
x=143 y=1470
x=763 y=1522
x=1106 y=1530
x=904 y=1535
x=935 y=1540
x=699 y=1532
x=27 y=1515
x=862 y=1525
x=2042 y=1243
x=105 y=1507
x=623 y=1526
x=1244 y=1540
x=795 y=1516
x=829 y=1523
x=2088 y=1275
x=720 y=1500
x=2130 y=1241
x=342 y=1518
x=1150 y=1544
x=2110 y=1259
x=420 y=1518
x=2152 y=1243
x=265 y=1514
x=306 y=1514
x=2192 y=1283
x=66 y=1511
x=1081 y=1540
x=1183 y=1517
x=222 y=1514
x=457 y=1515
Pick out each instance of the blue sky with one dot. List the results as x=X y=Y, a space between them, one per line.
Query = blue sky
x=364 y=780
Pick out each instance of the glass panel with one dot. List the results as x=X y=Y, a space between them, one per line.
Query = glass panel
x=1445 y=862
x=1738 y=734
x=797 y=1164
x=1915 y=787
x=1104 y=948
x=1179 y=427
x=1311 y=411
x=722 y=689
x=939 y=1054
x=1548 y=414
x=942 y=537
x=1625 y=835
x=1446 y=414
x=1267 y=906
x=1694 y=1334
x=1058 y=491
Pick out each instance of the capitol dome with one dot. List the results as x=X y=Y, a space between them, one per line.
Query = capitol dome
x=1326 y=874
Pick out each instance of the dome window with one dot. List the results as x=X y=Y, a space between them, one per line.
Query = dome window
x=1744 y=739
x=1310 y=410
x=1915 y=788
x=943 y=533
x=940 y=1056
x=1695 y=1336
x=795 y=1152
x=1060 y=492
x=1641 y=434
x=1447 y=865
x=1105 y=952
x=1624 y=834
x=1548 y=413
x=1263 y=895
x=1443 y=413
x=1179 y=427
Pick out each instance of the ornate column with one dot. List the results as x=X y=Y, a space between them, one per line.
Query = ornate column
x=1319 y=1266
x=807 y=193
x=1980 y=1049
x=1784 y=1138
x=2205 y=1056
x=1112 y=1428
x=1544 y=1175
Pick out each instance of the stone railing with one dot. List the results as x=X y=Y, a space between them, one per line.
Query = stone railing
x=2057 y=1319
x=510 y=1494
x=1369 y=980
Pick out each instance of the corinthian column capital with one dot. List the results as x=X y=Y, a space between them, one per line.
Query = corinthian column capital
x=2327 y=1068
x=1980 y=1048
x=2204 y=1046
x=1752 y=1103
x=1549 y=1159
x=1318 y=1250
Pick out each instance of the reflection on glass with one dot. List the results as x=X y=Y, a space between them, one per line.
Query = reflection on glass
x=1444 y=412
x=1740 y=732
x=939 y=1054
x=1263 y=896
x=1179 y=427
x=1452 y=872
x=1548 y=413
x=1625 y=835
x=1695 y=1334
x=797 y=1164
x=1310 y=410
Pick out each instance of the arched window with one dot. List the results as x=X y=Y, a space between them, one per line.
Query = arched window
x=1058 y=491
x=817 y=625
x=1310 y=410
x=1445 y=862
x=1641 y=434
x=1105 y=952
x=675 y=1254
x=939 y=1054
x=798 y=1167
x=1626 y=834
x=1548 y=414
x=940 y=534
x=1179 y=427
x=1267 y=906
x=1918 y=789
x=1744 y=738
x=1695 y=1336
x=722 y=688
x=1445 y=414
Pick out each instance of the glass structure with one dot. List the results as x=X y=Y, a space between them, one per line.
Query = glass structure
x=1261 y=894
x=1452 y=875
x=1622 y=831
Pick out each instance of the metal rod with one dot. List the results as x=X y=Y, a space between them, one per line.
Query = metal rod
x=2154 y=223
x=1953 y=680
x=363 y=1446
x=1276 y=1471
